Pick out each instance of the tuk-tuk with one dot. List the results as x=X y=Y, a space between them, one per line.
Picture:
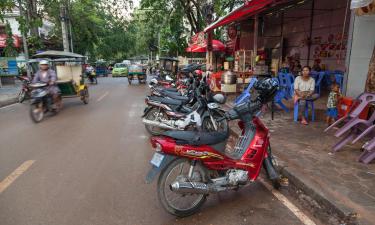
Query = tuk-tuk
x=168 y=66
x=137 y=72
x=69 y=71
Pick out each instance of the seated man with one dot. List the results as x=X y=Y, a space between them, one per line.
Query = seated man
x=47 y=75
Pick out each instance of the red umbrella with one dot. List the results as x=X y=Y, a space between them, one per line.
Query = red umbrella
x=217 y=46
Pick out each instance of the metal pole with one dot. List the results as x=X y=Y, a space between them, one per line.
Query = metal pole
x=348 y=51
x=281 y=42
x=158 y=54
x=24 y=41
x=310 y=35
x=256 y=24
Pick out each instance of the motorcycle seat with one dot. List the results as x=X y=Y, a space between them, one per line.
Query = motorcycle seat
x=167 y=101
x=196 y=137
x=166 y=92
x=177 y=97
x=171 y=89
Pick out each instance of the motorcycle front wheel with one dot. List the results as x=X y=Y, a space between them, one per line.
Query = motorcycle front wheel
x=37 y=112
x=208 y=126
x=180 y=204
x=21 y=96
x=153 y=114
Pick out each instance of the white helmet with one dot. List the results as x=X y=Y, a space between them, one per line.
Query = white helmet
x=44 y=62
x=153 y=81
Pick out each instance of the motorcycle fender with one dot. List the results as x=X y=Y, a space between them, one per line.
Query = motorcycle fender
x=81 y=88
x=147 y=109
x=270 y=168
x=154 y=171
x=35 y=101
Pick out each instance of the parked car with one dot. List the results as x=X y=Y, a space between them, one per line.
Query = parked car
x=120 y=70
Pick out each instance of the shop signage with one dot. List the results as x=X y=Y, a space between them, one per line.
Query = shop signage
x=16 y=41
x=198 y=39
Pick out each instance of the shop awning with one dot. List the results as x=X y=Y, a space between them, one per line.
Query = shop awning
x=217 y=46
x=248 y=9
x=16 y=41
x=355 y=4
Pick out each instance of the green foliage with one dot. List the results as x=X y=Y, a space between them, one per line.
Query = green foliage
x=10 y=50
x=34 y=43
x=103 y=29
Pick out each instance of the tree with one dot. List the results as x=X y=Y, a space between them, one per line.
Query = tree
x=10 y=50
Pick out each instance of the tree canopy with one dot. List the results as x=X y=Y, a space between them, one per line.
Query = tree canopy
x=113 y=29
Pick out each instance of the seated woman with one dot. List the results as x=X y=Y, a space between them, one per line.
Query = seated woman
x=304 y=88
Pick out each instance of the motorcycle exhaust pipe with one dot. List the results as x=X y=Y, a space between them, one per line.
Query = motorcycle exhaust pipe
x=158 y=124
x=191 y=187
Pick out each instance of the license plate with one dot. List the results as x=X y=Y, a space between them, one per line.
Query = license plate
x=157 y=159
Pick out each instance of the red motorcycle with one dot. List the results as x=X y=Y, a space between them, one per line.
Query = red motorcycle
x=25 y=89
x=193 y=164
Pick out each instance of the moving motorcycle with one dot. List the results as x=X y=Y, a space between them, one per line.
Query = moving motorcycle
x=200 y=111
x=41 y=102
x=193 y=164
x=91 y=75
x=25 y=89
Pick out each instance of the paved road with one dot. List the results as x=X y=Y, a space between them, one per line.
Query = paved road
x=90 y=161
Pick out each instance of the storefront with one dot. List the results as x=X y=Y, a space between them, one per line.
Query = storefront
x=8 y=65
x=265 y=36
x=198 y=48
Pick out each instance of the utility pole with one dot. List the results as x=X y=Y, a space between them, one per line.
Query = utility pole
x=70 y=27
x=64 y=29
x=24 y=41
x=158 y=53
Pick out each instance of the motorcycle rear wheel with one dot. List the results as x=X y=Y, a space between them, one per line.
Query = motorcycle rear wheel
x=85 y=96
x=37 y=112
x=190 y=203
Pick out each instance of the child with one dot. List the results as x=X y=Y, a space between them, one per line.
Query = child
x=333 y=98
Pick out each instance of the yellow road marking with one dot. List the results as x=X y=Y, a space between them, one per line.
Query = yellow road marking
x=101 y=97
x=15 y=174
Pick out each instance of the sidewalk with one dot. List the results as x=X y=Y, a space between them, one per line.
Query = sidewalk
x=334 y=187
x=9 y=94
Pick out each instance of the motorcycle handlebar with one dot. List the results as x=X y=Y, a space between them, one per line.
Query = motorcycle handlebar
x=244 y=111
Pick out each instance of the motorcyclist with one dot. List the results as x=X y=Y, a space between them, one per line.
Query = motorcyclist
x=47 y=75
x=89 y=70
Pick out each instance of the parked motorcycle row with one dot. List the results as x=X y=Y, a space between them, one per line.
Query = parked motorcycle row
x=189 y=136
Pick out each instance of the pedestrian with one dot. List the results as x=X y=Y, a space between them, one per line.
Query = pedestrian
x=304 y=90
x=333 y=99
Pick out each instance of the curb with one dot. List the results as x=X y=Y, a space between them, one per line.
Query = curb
x=9 y=101
x=310 y=198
